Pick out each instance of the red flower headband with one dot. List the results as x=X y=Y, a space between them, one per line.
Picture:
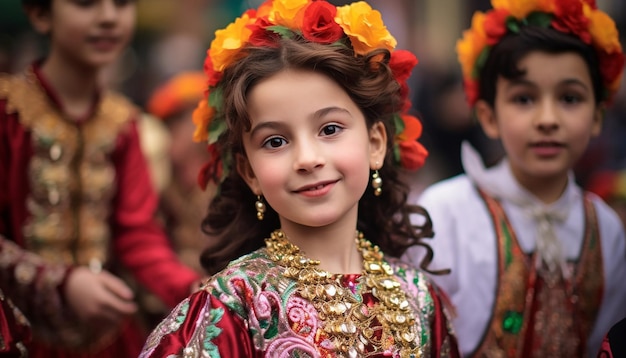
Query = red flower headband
x=356 y=24
x=579 y=17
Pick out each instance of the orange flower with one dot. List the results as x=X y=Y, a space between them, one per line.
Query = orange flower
x=603 y=32
x=201 y=117
x=288 y=13
x=521 y=9
x=229 y=41
x=365 y=28
x=472 y=44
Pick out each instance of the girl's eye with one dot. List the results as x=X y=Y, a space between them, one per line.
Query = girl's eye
x=274 y=142
x=331 y=129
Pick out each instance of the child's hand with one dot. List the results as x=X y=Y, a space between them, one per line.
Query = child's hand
x=98 y=298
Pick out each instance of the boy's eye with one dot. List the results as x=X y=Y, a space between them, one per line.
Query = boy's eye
x=571 y=98
x=274 y=142
x=522 y=99
x=84 y=2
x=330 y=129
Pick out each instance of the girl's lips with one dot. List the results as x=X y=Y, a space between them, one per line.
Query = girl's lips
x=316 y=190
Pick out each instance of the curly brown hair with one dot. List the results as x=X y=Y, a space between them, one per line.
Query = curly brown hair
x=231 y=222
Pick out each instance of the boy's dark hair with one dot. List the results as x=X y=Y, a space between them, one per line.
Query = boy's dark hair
x=231 y=222
x=43 y=4
x=506 y=55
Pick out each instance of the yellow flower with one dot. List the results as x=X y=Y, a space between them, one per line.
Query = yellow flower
x=288 y=13
x=471 y=45
x=365 y=27
x=202 y=116
x=603 y=32
x=229 y=41
x=521 y=9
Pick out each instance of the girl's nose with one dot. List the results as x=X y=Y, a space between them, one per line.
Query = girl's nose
x=308 y=156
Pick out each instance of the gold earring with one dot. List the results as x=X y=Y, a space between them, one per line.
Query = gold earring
x=260 y=207
x=377 y=183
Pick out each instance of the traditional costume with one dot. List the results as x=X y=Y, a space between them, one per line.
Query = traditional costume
x=486 y=231
x=79 y=193
x=275 y=303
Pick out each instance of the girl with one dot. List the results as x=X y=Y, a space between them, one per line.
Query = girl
x=537 y=264
x=307 y=101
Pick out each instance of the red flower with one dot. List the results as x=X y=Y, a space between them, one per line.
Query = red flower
x=495 y=25
x=570 y=18
x=472 y=91
x=213 y=77
x=319 y=23
x=611 y=65
x=412 y=154
x=261 y=36
x=401 y=64
x=213 y=169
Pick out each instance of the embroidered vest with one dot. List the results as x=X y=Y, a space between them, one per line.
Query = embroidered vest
x=535 y=317
x=70 y=174
x=72 y=182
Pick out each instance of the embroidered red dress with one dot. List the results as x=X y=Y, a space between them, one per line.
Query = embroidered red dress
x=251 y=309
x=79 y=193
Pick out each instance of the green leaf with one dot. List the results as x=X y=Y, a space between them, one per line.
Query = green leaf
x=481 y=60
x=216 y=128
x=399 y=123
x=540 y=19
x=281 y=30
x=512 y=24
x=216 y=98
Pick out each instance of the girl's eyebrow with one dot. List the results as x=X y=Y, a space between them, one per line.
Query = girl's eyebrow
x=320 y=113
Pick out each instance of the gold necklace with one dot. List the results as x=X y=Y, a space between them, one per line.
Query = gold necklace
x=387 y=324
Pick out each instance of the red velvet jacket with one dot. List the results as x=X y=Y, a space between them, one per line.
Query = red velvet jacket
x=130 y=235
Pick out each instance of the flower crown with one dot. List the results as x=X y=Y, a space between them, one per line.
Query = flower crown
x=356 y=25
x=581 y=18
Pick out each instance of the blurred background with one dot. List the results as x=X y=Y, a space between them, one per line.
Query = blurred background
x=172 y=37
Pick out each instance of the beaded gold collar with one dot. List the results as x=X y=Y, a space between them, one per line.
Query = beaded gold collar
x=355 y=328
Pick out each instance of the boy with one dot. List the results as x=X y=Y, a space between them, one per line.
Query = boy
x=74 y=185
x=537 y=264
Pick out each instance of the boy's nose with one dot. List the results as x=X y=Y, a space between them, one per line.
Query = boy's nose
x=547 y=118
x=108 y=10
x=308 y=156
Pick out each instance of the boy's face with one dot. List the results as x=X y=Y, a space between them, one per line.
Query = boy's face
x=89 y=33
x=546 y=118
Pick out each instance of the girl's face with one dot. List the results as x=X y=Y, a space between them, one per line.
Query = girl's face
x=309 y=149
x=87 y=33
x=546 y=118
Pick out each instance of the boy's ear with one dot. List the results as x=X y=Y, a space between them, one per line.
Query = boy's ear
x=487 y=119
x=247 y=173
x=378 y=144
x=598 y=119
x=40 y=18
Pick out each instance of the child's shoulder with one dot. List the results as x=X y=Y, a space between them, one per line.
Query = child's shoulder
x=409 y=274
x=246 y=277
x=607 y=217
x=452 y=190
